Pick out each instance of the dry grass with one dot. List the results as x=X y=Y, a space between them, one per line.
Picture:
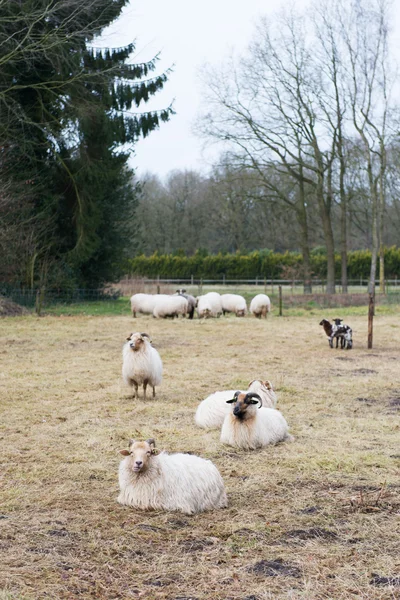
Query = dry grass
x=314 y=520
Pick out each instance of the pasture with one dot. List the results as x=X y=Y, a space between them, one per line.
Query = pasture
x=314 y=519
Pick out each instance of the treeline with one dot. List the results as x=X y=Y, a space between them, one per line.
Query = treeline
x=262 y=264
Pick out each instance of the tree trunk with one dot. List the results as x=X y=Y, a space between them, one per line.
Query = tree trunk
x=301 y=212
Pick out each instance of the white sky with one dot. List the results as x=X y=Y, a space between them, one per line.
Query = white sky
x=188 y=34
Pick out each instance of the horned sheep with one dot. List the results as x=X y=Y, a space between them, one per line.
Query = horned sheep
x=142 y=364
x=176 y=482
x=211 y=412
x=234 y=303
x=249 y=428
x=260 y=306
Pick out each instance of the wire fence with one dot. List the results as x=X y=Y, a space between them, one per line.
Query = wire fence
x=292 y=291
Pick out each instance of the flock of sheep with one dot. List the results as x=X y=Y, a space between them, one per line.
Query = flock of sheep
x=163 y=306
x=248 y=419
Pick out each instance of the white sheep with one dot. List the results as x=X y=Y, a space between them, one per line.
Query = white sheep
x=234 y=303
x=209 y=305
x=170 y=306
x=181 y=482
x=260 y=305
x=211 y=412
x=145 y=303
x=248 y=427
x=142 y=364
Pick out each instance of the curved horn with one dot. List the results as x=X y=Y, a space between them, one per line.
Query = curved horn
x=151 y=442
x=254 y=395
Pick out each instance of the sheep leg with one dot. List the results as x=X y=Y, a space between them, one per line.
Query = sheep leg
x=331 y=342
x=135 y=392
x=145 y=382
x=337 y=342
x=154 y=391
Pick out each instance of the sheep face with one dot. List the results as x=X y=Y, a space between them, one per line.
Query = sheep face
x=337 y=322
x=137 y=341
x=243 y=402
x=140 y=453
x=240 y=313
x=324 y=322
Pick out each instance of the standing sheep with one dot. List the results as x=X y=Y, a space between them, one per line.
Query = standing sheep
x=192 y=301
x=234 y=303
x=260 y=306
x=211 y=412
x=145 y=303
x=142 y=364
x=209 y=305
x=249 y=428
x=181 y=482
x=170 y=307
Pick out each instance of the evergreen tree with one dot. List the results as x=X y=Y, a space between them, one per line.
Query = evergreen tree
x=66 y=109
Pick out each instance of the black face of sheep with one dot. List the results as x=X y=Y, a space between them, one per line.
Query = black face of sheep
x=242 y=402
x=337 y=321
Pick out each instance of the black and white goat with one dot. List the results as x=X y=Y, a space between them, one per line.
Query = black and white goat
x=338 y=331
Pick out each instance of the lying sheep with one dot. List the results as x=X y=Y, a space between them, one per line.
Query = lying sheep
x=248 y=427
x=181 y=482
x=233 y=303
x=145 y=303
x=142 y=364
x=211 y=412
x=209 y=305
x=170 y=307
x=260 y=306
x=192 y=301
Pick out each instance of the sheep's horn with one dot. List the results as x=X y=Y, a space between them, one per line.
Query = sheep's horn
x=254 y=395
x=151 y=442
x=145 y=335
x=236 y=394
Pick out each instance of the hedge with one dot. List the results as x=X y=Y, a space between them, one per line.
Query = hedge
x=260 y=264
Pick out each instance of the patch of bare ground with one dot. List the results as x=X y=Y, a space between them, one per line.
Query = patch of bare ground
x=312 y=520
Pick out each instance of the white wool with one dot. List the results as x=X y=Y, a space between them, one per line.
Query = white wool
x=209 y=305
x=142 y=365
x=145 y=303
x=260 y=305
x=234 y=303
x=211 y=412
x=170 y=306
x=181 y=482
x=263 y=426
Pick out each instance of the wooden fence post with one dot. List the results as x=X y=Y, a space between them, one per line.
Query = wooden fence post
x=371 y=311
x=280 y=300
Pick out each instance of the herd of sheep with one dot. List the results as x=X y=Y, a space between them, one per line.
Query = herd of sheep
x=163 y=306
x=247 y=419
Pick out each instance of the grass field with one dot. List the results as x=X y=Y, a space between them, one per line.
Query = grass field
x=315 y=519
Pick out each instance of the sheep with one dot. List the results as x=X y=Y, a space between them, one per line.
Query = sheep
x=145 y=303
x=344 y=332
x=260 y=306
x=248 y=428
x=338 y=331
x=142 y=363
x=211 y=412
x=176 y=482
x=234 y=303
x=209 y=305
x=170 y=306
x=192 y=301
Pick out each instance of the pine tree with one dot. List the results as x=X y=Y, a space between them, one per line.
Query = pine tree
x=66 y=109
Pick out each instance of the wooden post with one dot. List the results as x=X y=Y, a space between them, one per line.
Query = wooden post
x=158 y=288
x=371 y=310
x=280 y=300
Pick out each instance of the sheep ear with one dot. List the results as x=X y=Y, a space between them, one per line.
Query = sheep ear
x=125 y=452
x=231 y=401
x=267 y=384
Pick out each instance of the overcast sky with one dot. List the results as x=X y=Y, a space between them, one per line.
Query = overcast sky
x=187 y=34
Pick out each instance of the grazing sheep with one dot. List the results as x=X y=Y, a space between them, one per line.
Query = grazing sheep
x=145 y=303
x=248 y=427
x=234 y=303
x=170 y=307
x=142 y=364
x=209 y=305
x=211 y=412
x=192 y=301
x=181 y=482
x=260 y=306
